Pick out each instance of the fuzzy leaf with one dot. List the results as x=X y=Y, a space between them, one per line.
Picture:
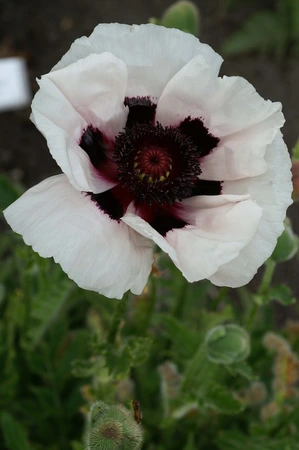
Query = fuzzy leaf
x=200 y=373
x=281 y=294
x=14 y=433
x=184 y=339
x=243 y=369
x=46 y=306
x=221 y=400
x=139 y=348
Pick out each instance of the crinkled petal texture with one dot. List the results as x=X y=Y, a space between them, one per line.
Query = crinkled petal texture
x=272 y=191
x=87 y=92
x=100 y=254
x=231 y=109
x=227 y=236
x=220 y=227
x=152 y=54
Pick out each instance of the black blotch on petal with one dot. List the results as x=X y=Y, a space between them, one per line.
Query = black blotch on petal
x=206 y=187
x=141 y=110
x=163 y=224
x=92 y=142
x=195 y=129
x=108 y=203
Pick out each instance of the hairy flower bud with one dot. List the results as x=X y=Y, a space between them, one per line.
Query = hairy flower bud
x=112 y=428
x=183 y=15
x=227 y=344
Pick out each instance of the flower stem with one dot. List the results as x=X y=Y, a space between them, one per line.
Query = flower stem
x=252 y=316
x=180 y=304
x=152 y=303
x=117 y=317
x=268 y=275
x=265 y=283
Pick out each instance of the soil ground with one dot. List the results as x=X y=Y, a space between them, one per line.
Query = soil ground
x=42 y=31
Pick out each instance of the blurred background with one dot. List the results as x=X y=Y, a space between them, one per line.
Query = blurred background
x=259 y=40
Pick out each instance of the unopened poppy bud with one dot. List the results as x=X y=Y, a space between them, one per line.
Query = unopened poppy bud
x=183 y=15
x=227 y=344
x=112 y=428
x=287 y=243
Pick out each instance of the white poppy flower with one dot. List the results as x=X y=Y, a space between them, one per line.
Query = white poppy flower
x=155 y=148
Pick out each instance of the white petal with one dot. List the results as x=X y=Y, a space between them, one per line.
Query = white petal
x=242 y=154
x=272 y=191
x=153 y=54
x=232 y=110
x=187 y=93
x=96 y=87
x=62 y=122
x=98 y=253
x=235 y=105
x=219 y=228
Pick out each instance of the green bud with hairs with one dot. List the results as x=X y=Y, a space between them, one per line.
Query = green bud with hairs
x=112 y=428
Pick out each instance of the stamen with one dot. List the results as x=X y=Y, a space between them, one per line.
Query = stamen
x=159 y=165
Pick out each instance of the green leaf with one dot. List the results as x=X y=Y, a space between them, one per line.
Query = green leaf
x=281 y=294
x=139 y=348
x=14 y=433
x=199 y=374
x=9 y=192
x=184 y=339
x=218 y=398
x=243 y=369
x=46 y=305
x=262 y=32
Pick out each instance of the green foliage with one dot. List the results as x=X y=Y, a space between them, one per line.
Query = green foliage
x=281 y=294
x=14 y=433
x=178 y=349
x=9 y=192
x=220 y=400
x=273 y=32
x=236 y=440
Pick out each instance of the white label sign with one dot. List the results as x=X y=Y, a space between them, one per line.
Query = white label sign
x=14 y=85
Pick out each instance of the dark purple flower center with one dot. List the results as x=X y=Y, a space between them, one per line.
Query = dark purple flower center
x=153 y=165
x=158 y=165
